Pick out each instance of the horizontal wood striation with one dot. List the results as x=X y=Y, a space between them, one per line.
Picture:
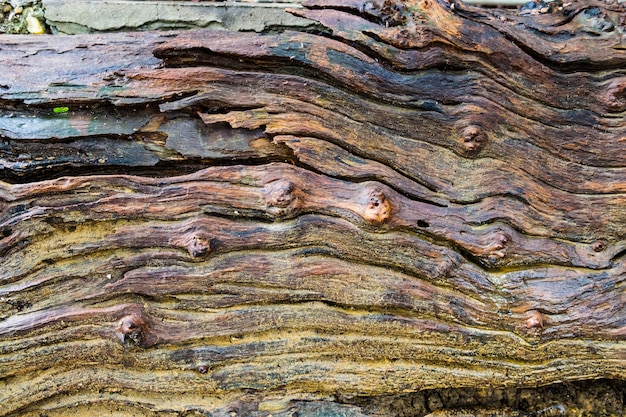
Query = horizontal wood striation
x=425 y=195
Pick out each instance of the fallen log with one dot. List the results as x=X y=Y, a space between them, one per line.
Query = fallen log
x=423 y=195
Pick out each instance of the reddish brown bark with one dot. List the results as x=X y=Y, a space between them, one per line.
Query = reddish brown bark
x=424 y=195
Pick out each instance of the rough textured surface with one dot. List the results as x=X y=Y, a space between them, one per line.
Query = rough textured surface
x=425 y=195
x=84 y=16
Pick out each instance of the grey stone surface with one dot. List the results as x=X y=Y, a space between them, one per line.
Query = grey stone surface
x=85 y=16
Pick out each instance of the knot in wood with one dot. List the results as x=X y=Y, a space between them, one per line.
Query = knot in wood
x=402 y=39
x=280 y=198
x=131 y=330
x=195 y=241
x=535 y=320
x=615 y=96
x=199 y=246
x=498 y=249
x=377 y=206
x=599 y=245
x=473 y=139
x=501 y=239
x=443 y=269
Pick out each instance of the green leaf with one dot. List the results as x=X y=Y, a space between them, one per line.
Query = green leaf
x=61 y=109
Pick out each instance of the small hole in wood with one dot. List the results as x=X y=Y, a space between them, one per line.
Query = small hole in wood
x=423 y=223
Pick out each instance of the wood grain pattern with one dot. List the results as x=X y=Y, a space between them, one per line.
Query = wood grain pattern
x=425 y=195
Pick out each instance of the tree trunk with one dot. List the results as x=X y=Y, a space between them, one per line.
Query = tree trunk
x=421 y=195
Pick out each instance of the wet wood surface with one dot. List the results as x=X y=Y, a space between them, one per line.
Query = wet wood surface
x=421 y=195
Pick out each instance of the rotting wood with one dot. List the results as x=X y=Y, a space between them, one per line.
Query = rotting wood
x=425 y=195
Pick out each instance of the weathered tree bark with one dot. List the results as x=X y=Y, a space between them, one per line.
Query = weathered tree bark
x=422 y=195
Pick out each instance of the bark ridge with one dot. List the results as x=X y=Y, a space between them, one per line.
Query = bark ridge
x=423 y=194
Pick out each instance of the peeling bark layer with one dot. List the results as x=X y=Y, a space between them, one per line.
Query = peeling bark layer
x=425 y=195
